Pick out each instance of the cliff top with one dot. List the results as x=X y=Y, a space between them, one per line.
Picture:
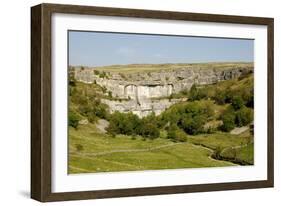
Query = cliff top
x=131 y=68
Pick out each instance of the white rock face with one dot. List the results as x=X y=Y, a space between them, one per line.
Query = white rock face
x=142 y=109
x=140 y=89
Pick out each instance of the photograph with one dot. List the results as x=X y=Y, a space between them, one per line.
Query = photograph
x=154 y=102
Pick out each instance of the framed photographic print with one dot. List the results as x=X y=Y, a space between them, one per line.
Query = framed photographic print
x=132 y=102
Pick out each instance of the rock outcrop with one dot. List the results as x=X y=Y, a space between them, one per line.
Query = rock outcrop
x=146 y=92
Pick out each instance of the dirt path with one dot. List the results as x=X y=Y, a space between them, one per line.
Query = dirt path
x=239 y=130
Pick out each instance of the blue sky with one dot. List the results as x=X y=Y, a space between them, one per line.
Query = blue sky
x=100 y=49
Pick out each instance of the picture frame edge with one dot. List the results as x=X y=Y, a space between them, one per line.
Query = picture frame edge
x=41 y=103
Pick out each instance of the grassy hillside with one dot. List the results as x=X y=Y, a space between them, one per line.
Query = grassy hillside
x=90 y=151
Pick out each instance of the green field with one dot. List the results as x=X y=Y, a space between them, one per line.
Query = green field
x=90 y=151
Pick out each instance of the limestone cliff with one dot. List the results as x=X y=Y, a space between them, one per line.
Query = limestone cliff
x=145 y=91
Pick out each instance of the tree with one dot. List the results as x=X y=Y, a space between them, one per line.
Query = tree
x=237 y=102
x=193 y=124
x=228 y=119
x=150 y=130
x=244 y=116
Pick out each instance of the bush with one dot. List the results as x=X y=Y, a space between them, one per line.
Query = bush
x=72 y=82
x=73 y=119
x=131 y=124
x=196 y=93
x=100 y=110
x=237 y=102
x=102 y=74
x=150 y=130
x=228 y=119
x=87 y=101
x=93 y=108
x=248 y=98
x=193 y=124
x=191 y=116
x=217 y=152
x=244 y=116
x=222 y=96
x=96 y=72
x=176 y=134
x=219 y=97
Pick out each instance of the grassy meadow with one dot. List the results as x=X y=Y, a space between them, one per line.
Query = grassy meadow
x=90 y=151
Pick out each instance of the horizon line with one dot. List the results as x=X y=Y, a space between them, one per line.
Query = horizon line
x=168 y=63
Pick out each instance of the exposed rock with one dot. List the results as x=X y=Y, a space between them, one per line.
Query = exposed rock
x=143 y=108
x=239 y=130
x=101 y=125
x=141 y=87
x=83 y=121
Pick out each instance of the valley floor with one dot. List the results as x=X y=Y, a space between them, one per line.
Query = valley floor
x=93 y=151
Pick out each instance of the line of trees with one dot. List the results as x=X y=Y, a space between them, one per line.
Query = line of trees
x=131 y=124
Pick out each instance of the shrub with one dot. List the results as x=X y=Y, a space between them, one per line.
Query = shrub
x=102 y=74
x=72 y=82
x=248 y=98
x=244 y=116
x=193 y=124
x=73 y=119
x=217 y=152
x=150 y=130
x=222 y=96
x=176 y=134
x=100 y=110
x=196 y=93
x=112 y=130
x=237 y=102
x=131 y=124
x=92 y=109
x=219 y=97
x=123 y=123
x=96 y=72
x=228 y=119
x=191 y=117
